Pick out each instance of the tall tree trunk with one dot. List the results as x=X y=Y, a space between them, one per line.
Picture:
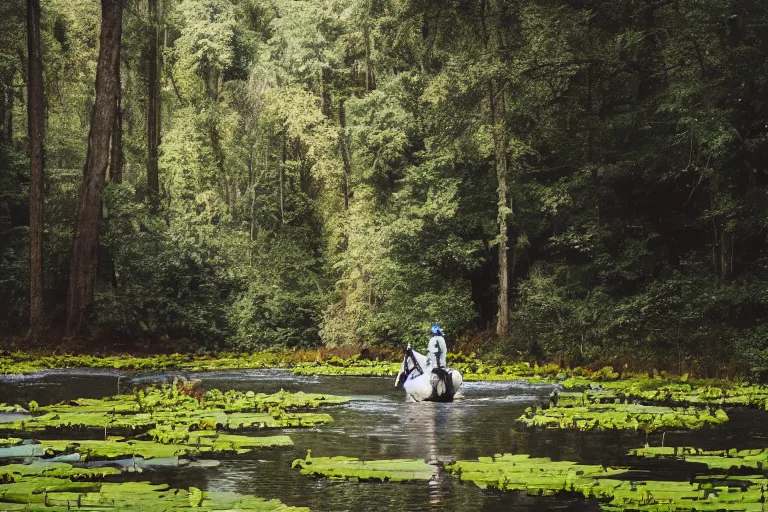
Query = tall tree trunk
x=344 y=150
x=152 y=106
x=36 y=125
x=116 y=164
x=117 y=158
x=497 y=112
x=86 y=237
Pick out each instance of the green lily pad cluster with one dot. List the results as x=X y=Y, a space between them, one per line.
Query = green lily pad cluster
x=170 y=425
x=181 y=406
x=216 y=442
x=618 y=416
x=21 y=362
x=726 y=460
x=614 y=487
x=472 y=369
x=676 y=392
x=536 y=476
x=718 y=487
x=353 y=469
x=119 y=448
x=17 y=472
x=52 y=494
x=704 y=494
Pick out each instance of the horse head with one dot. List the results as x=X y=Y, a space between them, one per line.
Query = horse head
x=409 y=365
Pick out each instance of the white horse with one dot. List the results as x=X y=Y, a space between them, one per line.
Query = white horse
x=423 y=382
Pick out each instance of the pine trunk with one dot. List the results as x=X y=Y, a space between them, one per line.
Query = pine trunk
x=152 y=106
x=36 y=125
x=117 y=158
x=497 y=113
x=86 y=237
x=344 y=149
x=497 y=108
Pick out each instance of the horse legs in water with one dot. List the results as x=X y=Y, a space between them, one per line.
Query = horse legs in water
x=457 y=380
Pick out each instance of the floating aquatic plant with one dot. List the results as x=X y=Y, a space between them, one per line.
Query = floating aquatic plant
x=705 y=494
x=681 y=391
x=61 y=494
x=350 y=468
x=619 y=416
x=119 y=448
x=541 y=476
x=167 y=405
x=725 y=460
x=536 y=476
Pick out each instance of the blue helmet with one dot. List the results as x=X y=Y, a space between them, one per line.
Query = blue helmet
x=436 y=330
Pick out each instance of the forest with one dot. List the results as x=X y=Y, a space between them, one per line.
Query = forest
x=579 y=181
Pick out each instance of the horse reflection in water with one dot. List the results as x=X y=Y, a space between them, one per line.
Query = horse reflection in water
x=423 y=382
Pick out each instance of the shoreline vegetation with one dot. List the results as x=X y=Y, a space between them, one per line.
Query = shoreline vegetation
x=575 y=387
x=341 y=361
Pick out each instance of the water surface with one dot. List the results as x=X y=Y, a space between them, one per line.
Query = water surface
x=379 y=424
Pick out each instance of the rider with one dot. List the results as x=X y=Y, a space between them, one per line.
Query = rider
x=436 y=348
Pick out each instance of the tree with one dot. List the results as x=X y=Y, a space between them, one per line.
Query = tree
x=494 y=46
x=36 y=126
x=153 y=103
x=86 y=235
x=117 y=155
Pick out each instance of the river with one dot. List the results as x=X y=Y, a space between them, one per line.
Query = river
x=379 y=424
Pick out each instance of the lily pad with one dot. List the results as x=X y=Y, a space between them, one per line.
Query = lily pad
x=724 y=460
x=134 y=424
x=352 y=469
x=537 y=475
x=58 y=494
x=204 y=443
x=622 y=417
x=13 y=472
x=611 y=486
x=682 y=392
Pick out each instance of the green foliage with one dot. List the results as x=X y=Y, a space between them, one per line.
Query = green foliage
x=328 y=176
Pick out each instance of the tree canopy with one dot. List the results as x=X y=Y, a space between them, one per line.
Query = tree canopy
x=335 y=172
